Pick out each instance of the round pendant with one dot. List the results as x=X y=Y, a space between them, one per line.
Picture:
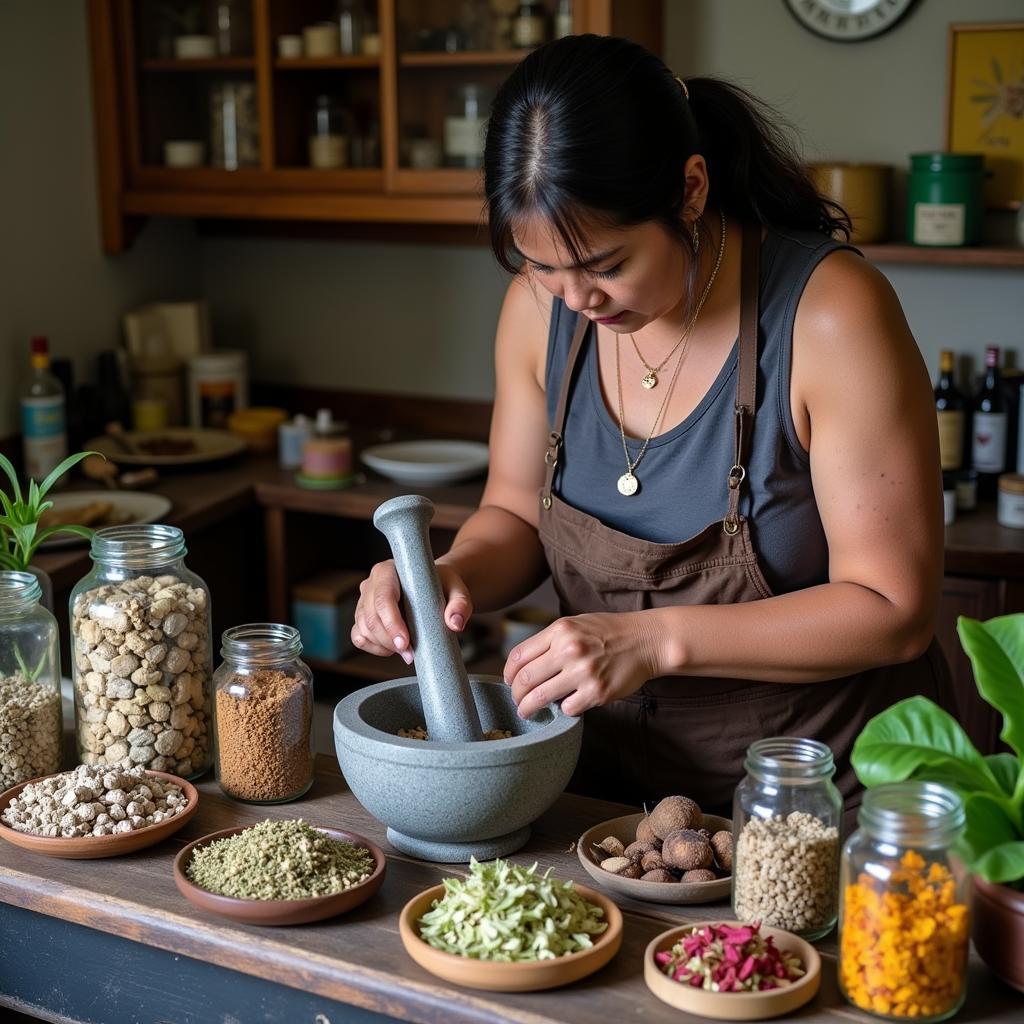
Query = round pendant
x=650 y=380
x=628 y=484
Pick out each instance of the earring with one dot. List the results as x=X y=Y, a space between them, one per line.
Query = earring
x=696 y=237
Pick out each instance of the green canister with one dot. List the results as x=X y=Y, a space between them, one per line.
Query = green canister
x=944 y=198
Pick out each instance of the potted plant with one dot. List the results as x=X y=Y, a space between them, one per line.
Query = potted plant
x=915 y=739
x=20 y=534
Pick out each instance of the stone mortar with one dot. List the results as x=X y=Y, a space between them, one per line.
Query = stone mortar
x=447 y=800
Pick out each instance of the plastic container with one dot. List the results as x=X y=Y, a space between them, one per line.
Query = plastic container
x=291 y=436
x=218 y=385
x=323 y=609
x=1010 y=502
x=140 y=633
x=258 y=426
x=264 y=701
x=904 y=927
x=31 y=728
x=786 y=819
x=944 y=198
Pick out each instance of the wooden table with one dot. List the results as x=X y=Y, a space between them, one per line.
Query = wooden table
x=112 y=941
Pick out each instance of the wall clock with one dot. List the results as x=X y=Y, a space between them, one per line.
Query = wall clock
x=848 y=21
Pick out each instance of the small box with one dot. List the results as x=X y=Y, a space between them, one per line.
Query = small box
x=323 y=609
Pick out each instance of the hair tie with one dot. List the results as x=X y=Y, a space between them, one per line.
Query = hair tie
x=686 y=92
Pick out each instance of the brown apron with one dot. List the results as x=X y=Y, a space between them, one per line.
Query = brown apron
x=684 y=734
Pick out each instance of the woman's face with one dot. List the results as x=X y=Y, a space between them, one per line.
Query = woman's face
x=626 y=278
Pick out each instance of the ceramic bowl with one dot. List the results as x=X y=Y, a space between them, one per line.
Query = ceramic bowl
x=624 y=829
x=505 y=977
x=733 y=1005
x=94 y=847
x=279 y=912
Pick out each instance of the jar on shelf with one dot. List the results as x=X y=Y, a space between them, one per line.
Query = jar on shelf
x=351 y=19
x=464 y=125
x=232 y=27
x=786 y=819
x=904 y=924
x=140 y=635
x=31 y=727
x=234 y=124
x=329 y=133
x=945 y=200
x=530 y=26
x=264 y=714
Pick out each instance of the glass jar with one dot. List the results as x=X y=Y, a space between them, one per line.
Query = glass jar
x=264 y=714
x=464 y=125
x=140 y=635
x=31 y=726
x=232 y=27
x=234 y=125
x=351 y=18
x=530 y=26
x=786 y=819
x=904 y=925
x=329 y=132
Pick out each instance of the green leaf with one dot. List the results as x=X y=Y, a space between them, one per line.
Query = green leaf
x=1004 y=863
x=58 y=471
x=10 y=562
x=8 y=468
x=987 y=825
x=916 y=738
x=996 y=650
x=1007 y=771
x=33 y=498
x=44 y=535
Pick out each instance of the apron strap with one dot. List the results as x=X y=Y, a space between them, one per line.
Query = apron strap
x=746 y=370
x=555 y=437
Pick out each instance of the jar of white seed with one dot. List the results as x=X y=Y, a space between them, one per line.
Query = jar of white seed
x=786 y=819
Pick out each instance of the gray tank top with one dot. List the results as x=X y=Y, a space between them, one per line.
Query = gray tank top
x=684 y=471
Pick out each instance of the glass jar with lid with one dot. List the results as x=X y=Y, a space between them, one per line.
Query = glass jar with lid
x=31 y=728
x=329 y=134
x=234 y=124
x=468 y=109
x=904 y=923
x=140 y=636
x=264 y=714
x=786 y=819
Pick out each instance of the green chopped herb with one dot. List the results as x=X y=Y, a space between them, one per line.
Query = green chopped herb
x=510 y=913
x=279 y=860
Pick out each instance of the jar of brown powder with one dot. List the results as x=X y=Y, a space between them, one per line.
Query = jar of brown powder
x=264 y=714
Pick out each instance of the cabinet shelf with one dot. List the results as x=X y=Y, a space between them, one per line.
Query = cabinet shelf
x=202 y=64
x=324 y=63
x=462 y=59
x=976 y=256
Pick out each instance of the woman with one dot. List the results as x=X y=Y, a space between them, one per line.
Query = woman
x=744 y=526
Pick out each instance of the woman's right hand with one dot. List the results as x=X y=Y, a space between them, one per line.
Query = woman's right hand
x=379 y=627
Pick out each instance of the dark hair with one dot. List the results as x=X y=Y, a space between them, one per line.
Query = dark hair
x=595 y=128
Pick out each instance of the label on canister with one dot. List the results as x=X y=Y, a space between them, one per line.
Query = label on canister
x=217 y=401
x=464 y=136
x=940 y=223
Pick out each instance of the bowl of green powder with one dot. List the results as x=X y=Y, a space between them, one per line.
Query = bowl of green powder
x=279 y=872
x=510 y=928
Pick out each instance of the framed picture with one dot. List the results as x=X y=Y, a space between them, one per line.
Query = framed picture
x=985 y=104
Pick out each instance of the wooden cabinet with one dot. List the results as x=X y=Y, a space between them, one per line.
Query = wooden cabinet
x=251 y=109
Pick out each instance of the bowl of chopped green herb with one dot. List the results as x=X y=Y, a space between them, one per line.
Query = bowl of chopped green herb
x=510 y=928
x=279 y=872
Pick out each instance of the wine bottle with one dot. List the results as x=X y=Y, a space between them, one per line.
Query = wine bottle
x=988 y=430
x=44 y=433
x=949 y=408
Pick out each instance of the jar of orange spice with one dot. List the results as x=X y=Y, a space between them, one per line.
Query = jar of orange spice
x=904 y=923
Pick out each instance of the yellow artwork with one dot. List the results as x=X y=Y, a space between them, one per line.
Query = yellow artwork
x=986 y=104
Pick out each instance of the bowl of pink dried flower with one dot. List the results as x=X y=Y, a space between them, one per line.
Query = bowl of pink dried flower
x=732 y=971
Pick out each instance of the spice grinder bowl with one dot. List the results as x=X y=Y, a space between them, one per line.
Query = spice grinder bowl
x=450 y=801
x=733 y=1005
x=494 y=976
x=279 y=912
x=95 y=847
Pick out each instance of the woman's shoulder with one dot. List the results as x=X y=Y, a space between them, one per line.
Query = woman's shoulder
x=524 y=326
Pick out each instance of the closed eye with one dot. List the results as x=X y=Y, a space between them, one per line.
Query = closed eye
x=609 y=273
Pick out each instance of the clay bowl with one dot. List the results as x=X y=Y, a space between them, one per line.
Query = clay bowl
x=279 y=912
x=733 y=1005
x=514 y=977
x=93 y=847
x=624 y=829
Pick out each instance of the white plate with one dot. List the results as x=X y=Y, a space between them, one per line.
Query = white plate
x=129 y=507
x=208 y=446
x=427 y=462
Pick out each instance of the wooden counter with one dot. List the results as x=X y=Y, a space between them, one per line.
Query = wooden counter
x=100 y=940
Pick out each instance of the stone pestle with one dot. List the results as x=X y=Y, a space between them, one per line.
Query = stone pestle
x=445 y=694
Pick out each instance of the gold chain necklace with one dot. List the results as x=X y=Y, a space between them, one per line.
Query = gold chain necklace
x=650 y=378
x=628 y=484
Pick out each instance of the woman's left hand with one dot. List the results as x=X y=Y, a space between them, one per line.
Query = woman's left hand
x=584 y=661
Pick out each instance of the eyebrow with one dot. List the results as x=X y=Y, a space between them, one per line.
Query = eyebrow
x=580 y=264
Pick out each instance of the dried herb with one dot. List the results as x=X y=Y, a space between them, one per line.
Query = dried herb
x=279 y=860
x=510 y=913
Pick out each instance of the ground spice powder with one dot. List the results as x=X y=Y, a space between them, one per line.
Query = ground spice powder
x=903 y=951
x=263 y=736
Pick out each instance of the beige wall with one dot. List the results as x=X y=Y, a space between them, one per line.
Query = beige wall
x=54 y=279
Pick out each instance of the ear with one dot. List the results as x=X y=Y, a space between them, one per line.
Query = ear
x=696 y=172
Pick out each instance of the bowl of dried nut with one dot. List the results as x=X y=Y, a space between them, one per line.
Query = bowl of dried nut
x=96 y=811
x=279 y=872
x=676 y=854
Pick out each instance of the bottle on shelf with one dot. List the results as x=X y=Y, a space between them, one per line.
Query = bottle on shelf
x=468 y=109
x=563 y=19
x=949 y=409
x=988 y=427
x=530 y=25
x=351 y=18
x=43 y=415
